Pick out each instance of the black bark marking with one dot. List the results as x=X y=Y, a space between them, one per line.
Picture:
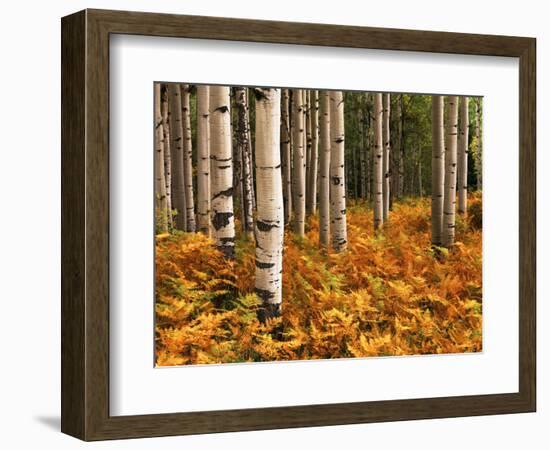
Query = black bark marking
x=262 y=265
x=221 y=219
x=336 y=180
x=339 y=140
x=265 y=226
x=226 y=193
x=223 y=109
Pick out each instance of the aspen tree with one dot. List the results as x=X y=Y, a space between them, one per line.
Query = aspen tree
x=324 y=170
x=160 y=181
x=314 y=153
x=176 y=153
x=244 y=150
x=299 y=185
x=377 y=187
x=449 y=201
x=438 y=169
x=203 y=159
x=337 y=173
x=462 y=162
x=286 y=155
x=386 y=155
x=166 y=147
x=477 y=154
x=270 y=219
x=223 y=220
x=188 y=158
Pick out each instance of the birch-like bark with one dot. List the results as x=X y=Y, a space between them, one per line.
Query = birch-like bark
x=223 y=220
x=449 y=201
x=309 y=137
x=438 y=169
x=188 y=158
x=462 y=158
x=337 y=173
x=299 y=180
x=378 y=164
x=386 y=154
x=270 y=219
x=479 y=145
x=176 y=152
x=166 y=146
x=324 y=170
x=314 y=153
x=286 y=155
x=203 y=159
x=244 y=150
x=160 y=181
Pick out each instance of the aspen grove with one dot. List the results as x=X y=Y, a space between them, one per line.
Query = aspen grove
x=297 y=223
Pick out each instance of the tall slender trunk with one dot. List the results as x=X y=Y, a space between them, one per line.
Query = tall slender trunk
x=299 y=185
x=176 y=152
x=250 y=156
x=203 y=159
x=223 y=220
x=478 y=154
x=378 y=176
x=324 y=171
x=449 y=203
x=313 y=153
x=243 y=150
x=396 y=154
x=419 y=171
x=270 y=222
x=438 y=169
x=188 y=158
x=160 y=181
x=386 y=154
x=462 y=182
x=338 y=224
x=307 y=93
x=286 y=155
x=166 y=146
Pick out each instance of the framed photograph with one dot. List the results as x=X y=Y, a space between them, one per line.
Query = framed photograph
x=272 y=225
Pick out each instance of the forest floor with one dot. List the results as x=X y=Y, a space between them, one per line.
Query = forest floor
x=389 y=294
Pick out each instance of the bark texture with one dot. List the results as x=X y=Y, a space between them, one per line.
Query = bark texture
x=160 y=181
x=438 y=168
x=299 y=180
x=244 y=151
x=166 y=147
x=449 y=202
x=223 y=220
x=462 y=162
x=188 y=159
x=386 y=155
x=176 y=150
x=203 y=159
x=314 y=153
x=478 y=154
x=337 y=173
x=286 y=155
x=378 y=167
x=324 y=170
x=270 y=221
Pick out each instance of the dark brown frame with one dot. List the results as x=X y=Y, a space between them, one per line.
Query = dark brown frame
x=85 y=224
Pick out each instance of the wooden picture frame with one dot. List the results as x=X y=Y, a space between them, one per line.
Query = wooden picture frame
x=85 y=224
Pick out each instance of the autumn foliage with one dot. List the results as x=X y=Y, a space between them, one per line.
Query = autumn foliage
x=390 y=293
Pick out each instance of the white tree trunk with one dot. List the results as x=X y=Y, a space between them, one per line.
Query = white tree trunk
x=188 y=158
x=338 y=224
x=160 y=181
x=462 y=162
x=203 y=159
x=299 y=180
x=438 y=169
x=449 y=203
x=314 y=153
x=270 y=221
x=386 y=155
x=166 y=146
x=223 y=220
x=243 y=149
x=324 y=171
x=378 y=164
x=176 y=152
x=286 y=155
x=478 y=153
